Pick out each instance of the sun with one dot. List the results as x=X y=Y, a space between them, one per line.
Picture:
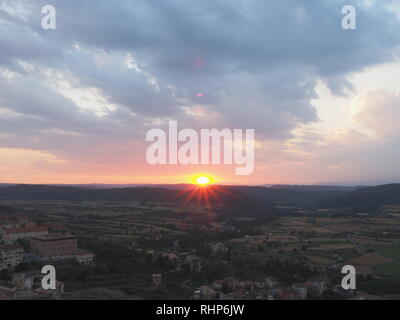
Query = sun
x=202 y=180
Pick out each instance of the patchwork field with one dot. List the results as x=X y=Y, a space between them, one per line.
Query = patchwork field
x=370 y=259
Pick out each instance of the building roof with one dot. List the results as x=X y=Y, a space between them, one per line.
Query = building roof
x=25 y=230
x=81 y=252
x=9 y=247
x=54 y=237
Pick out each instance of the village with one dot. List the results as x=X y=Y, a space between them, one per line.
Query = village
x=153 y=250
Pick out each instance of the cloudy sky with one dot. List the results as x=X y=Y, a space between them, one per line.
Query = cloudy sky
x=76 y=102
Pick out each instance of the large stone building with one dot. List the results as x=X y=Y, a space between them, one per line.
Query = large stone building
x=10 y=256
x=14 y=234
x=54 y=246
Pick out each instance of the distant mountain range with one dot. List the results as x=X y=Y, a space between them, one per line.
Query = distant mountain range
x=110 y=186
x=216 y=196
x=292 y=196
x=239 y=198
x=181 y=186
x=366 y=199
x=316 y=187
x=167 y=192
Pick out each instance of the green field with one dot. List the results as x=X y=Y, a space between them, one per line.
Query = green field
x=388 y=251
x=391 y=269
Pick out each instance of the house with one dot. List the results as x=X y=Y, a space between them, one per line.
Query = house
x=23 y=281
x=226 y=297
x=207 y=293
x=232 y=283
x=57 y=228
x=217 y=247
x=194 y=263
x=84 y=257
x=218 y=284
x=59 y=289
x=7 y=290
x=10 y=256
x=287 y=294
x=197 y=295
x=300 y=290
x=14 y=234
x=239 y=294
x=248 y=284
x=170 y=256
x=317 y=287
x=269 y=283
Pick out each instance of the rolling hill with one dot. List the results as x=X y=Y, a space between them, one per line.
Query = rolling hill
x=227 y=198
x=366 y=199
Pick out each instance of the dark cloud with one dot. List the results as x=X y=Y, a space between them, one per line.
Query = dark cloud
x=254 y=64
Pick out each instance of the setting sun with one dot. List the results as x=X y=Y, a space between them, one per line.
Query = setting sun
x=202 y=180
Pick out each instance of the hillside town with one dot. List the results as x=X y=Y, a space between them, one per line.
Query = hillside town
x=23 y=241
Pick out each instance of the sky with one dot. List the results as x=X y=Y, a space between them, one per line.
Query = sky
x=76 y=102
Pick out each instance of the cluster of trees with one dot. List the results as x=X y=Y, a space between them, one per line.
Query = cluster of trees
x=378 y=286
x=287 y=272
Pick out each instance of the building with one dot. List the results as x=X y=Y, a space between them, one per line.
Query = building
x=54 y=246
x=10 y=256
x=84 y=257
x=301 y=290
x=217 y=247
x=57 y=228
x=207 y=293
x=23 y=280
x=7 y=290
x=14 y=234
